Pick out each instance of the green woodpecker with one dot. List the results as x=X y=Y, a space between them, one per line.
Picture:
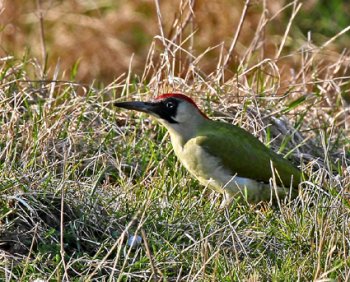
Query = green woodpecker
x=222 y=156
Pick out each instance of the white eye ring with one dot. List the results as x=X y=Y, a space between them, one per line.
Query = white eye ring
x=170 y=105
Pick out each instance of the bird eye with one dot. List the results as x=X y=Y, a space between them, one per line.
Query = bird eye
x=170 y=105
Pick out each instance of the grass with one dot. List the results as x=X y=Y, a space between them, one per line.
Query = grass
x=79 y=178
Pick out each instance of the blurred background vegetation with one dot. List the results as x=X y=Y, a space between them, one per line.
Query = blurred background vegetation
x=106 y=37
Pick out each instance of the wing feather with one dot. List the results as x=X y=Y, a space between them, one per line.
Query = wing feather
x=246 y=156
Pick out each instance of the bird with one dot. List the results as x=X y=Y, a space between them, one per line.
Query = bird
x=220 y=155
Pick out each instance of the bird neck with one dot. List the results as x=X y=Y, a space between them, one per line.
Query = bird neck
x=180 y=133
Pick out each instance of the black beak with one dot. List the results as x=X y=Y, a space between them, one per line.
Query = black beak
x=157 y=109
x=146 y=107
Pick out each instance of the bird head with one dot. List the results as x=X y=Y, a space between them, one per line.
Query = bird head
x=177 y=112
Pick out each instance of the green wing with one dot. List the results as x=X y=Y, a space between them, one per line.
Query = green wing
x=245 y=155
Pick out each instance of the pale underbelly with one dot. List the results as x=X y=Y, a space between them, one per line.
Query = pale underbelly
x=209 y=171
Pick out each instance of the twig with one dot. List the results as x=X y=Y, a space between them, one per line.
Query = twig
x=30 y=253
x=294 y=13
x=62 y=251
x=64 y=178
x=42 y=37
x=159 y=17
x=186 y=22
x=335 y=37
x=155 y=269
x=238 y=32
